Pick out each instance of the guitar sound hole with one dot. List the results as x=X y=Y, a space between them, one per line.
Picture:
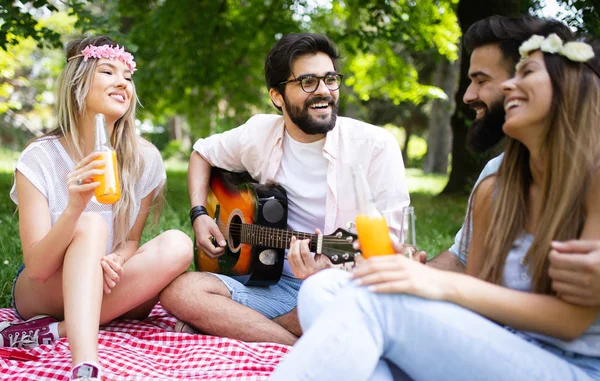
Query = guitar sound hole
x=235 y=226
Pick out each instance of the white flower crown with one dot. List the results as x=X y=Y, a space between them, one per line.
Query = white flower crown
x=576 y=51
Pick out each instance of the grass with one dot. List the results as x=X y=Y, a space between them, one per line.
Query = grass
x=438 y=218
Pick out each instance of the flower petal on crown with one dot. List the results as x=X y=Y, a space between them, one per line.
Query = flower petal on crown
x=577 y=51
x=551 y=44
x=530 y=45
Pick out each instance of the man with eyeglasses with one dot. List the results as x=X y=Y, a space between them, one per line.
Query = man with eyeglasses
x=308 y=150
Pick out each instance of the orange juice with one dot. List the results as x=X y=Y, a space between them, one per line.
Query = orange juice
x=373 y=235
x=109 y=190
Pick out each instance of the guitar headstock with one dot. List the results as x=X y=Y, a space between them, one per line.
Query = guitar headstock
x=338 y=246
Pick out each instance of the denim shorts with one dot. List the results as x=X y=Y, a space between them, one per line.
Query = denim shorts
x=271 y=301
x=12 y=297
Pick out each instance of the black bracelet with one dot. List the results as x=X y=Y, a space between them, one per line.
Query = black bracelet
x=196 y=212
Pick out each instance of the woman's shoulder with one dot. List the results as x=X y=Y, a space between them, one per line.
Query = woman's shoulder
x=483 y=193
x=486 y=185
x=148 y=151
x=41 y=148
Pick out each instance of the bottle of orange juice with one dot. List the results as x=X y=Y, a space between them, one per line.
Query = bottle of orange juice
x=109 y=190
x=373 y=232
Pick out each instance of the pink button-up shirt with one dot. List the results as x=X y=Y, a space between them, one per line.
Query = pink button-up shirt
x=256 y=147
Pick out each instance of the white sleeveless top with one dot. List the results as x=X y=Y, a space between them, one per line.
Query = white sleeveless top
x=517 y=276
x=45 y=163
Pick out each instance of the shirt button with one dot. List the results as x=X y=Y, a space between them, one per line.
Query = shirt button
x=524 y=276
x=522 y=261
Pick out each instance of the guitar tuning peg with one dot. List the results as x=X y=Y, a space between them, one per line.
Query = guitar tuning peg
x=334 y=258
x=346 y=256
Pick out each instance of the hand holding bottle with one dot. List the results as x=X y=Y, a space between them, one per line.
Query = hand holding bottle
x=398 y=274
x=109 y=189
x=80 y=182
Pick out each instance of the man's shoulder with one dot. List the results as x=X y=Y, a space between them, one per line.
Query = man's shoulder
x=359 y=129
x=264 y=121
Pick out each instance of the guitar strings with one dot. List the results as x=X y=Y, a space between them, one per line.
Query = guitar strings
x=269 y=233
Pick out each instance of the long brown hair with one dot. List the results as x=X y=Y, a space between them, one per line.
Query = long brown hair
x=570 y=157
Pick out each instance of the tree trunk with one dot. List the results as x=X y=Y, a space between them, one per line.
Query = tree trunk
x=465 y=164
x=408 y=131
x=439 y=139
x=178 y=131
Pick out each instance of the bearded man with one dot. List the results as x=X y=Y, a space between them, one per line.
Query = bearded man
x=310 y=152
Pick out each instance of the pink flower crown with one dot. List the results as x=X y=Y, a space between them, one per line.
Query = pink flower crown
x=107 y=51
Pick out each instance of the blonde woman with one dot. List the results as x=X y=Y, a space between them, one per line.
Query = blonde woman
x=83 y=263
x=503 y=321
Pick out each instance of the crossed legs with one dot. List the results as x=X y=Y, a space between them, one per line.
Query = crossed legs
x=205 y=302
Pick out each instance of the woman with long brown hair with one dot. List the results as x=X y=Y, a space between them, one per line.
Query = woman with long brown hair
x=83 y=263
x=503 y=321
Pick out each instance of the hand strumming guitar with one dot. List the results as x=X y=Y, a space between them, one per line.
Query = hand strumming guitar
x=206 y=230
x=302 y=262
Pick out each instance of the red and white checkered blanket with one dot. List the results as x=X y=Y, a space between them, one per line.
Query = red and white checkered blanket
x=149 y=350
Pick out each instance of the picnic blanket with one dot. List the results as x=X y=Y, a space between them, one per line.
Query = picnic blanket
x=149 y=350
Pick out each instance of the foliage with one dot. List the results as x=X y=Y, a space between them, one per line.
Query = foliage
x=202 y=60
x=417 y=148
x=383 y=40
x=213 y=74
x=27 y=81
x=17 y=23
x=587 y=16
x=174 y=149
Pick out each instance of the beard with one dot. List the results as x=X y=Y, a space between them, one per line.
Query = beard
x=486 y=132
x=310 y=125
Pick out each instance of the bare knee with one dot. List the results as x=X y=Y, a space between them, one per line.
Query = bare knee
x=177 y=248
x=93 y=225
x=191 y=288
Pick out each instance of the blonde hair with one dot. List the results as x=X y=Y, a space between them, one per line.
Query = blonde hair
x=71 y=91
x=570 y=156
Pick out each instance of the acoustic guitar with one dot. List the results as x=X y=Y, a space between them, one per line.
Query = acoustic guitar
x=253 y=219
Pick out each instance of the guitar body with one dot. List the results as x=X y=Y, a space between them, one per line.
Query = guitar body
x=236 y=201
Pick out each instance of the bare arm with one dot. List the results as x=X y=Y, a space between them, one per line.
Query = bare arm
x=44 y=244
x=448 y=262
x=520 y=310
x=204 y=226
x=198 y=179
x=575 y=265
x=544 y=314
x=525 y=311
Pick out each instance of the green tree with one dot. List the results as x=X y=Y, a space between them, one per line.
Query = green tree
x=465 y=164
x=18 y=23
x=27 y=76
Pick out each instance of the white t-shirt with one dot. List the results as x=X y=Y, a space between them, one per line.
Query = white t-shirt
x=303 y=174
x=45 y=163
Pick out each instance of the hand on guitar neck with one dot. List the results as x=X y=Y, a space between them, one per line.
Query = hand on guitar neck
x=302 y=262
x=207 y=234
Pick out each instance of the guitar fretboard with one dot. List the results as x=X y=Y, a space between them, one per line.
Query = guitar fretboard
x=276 y=238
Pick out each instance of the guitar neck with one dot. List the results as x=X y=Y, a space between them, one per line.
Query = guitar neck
x=276 y=238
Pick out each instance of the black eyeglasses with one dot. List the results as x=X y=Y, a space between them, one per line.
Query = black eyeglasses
x=310 y=83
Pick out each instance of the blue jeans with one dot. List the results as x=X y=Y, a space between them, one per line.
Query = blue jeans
x=349 y=331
